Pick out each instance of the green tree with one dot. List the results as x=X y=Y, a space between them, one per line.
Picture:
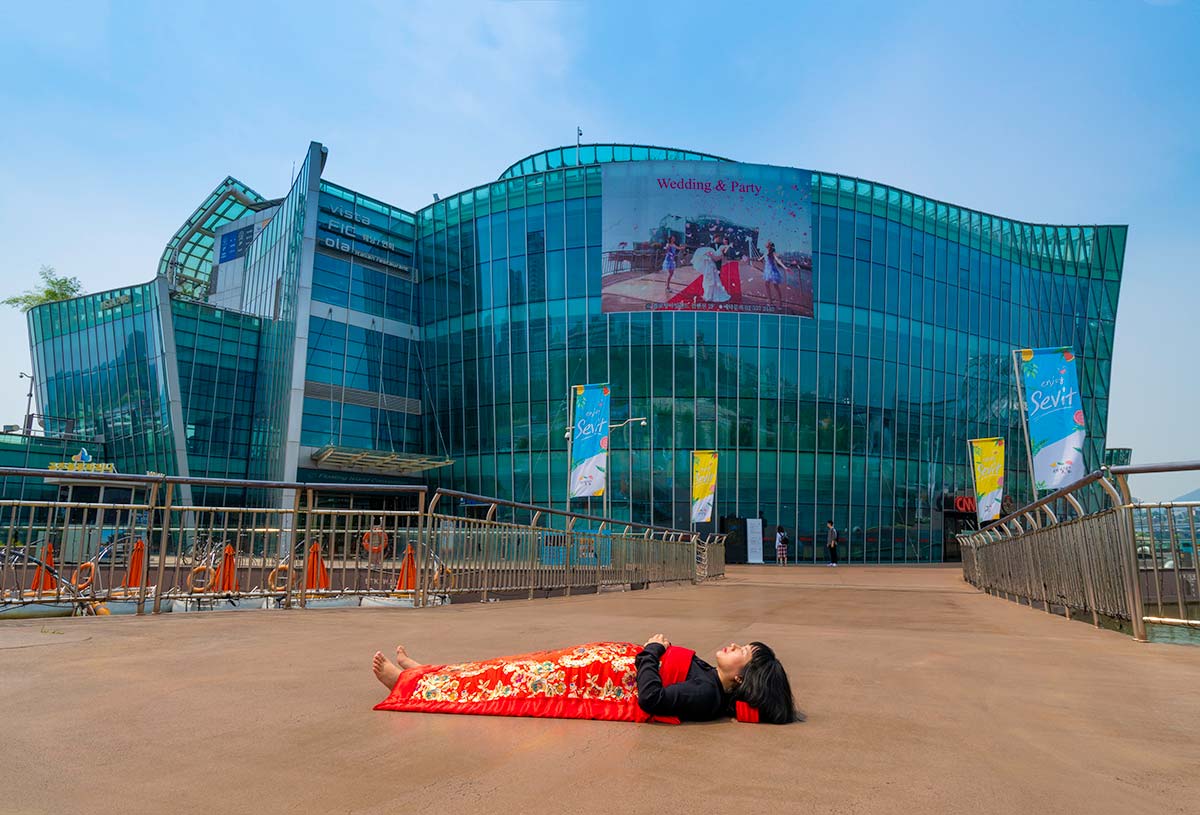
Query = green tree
x=54 y=287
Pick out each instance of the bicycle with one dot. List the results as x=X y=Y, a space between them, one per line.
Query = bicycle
x=205 y=553
x=14 y=556
x=285 y=565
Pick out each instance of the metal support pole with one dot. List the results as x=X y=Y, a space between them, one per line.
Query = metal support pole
x=1024 y=422
x=164 y=541
x=1133 y=576
x=144 y=577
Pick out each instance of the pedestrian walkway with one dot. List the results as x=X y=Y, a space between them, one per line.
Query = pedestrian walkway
x=923 y=696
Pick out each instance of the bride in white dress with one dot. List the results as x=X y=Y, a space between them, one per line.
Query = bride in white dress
x=707 y=260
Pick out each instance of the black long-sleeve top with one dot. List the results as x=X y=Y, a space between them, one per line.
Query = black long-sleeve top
x=699 y=698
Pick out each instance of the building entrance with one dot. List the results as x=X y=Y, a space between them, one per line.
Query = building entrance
x=954 y=523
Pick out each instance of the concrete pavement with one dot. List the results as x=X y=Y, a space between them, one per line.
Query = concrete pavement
x=923 y=695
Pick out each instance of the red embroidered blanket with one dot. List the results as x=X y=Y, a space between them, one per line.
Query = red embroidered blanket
x=593 y=681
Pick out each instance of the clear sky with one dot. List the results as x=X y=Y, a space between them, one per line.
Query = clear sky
x=118 y=119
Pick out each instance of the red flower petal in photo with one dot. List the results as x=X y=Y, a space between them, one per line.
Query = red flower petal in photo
x=1079 y=418
x=1068 y=356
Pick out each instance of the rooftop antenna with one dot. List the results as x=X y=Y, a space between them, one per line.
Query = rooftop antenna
x=293 y=180
x=578 y=136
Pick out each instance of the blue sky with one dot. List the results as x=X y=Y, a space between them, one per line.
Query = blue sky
x=120 y=117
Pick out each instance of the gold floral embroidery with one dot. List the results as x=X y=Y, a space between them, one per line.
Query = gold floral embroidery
x=437 y=688
x=601 y=671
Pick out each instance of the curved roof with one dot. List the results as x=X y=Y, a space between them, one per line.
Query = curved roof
x=565 y=156
x=187 y=259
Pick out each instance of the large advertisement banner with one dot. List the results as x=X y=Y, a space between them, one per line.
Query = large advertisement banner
x=706 y=236
x=1054 y=419
x=589 y=441
x=987 y=463
x=704 y=485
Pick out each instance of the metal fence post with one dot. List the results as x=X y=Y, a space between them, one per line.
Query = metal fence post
x=164 y=542
x=1133 y=576
x=144 y=577
x=309 y=505
x=291 y=543
x=534 y=538
x=424 y=544
x=570 y=541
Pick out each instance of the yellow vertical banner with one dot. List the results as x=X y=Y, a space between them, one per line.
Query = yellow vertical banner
x=704 y=484
x=987 y=464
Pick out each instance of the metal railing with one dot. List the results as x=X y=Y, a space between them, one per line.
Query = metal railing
x=1129 y=561
x=144 y=548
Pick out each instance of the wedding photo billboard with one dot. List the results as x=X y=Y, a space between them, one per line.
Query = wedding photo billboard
x=706 y=236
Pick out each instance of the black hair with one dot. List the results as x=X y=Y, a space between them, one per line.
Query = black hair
x=779 y=529
x=765 y=686
x=830 y=523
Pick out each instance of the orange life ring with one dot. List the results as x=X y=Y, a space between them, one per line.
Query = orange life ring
x=374 y=534
x=91 y=575
x=272 y=584
x=191 y=579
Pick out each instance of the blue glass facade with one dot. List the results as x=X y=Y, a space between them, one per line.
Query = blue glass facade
x=369 y=335
x=101 y=370
x=217 y=352
x=277 y=287
x=860 y=415
x=362 y=375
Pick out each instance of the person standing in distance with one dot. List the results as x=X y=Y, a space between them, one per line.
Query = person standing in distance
x=831 y=543
x=781 y=546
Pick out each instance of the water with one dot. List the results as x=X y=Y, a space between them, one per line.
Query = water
x=1173 y=634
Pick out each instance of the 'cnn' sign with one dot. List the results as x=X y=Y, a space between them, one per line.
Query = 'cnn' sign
x=964 y=503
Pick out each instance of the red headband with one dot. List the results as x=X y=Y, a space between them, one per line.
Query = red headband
x=745 y=713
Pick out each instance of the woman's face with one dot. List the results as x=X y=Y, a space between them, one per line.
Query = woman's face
x=733 y=658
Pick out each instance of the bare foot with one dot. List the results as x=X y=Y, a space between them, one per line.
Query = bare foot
x=405 y=662
x=385 y=671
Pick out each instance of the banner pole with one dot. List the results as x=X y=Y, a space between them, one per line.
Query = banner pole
x=974 y=486
x=716 y=472
x=570 y=439
x=1024 y=422
x=692 y=495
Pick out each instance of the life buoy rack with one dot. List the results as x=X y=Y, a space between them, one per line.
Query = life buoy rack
x=91 y=575
x=443 y=577
x=208 y=580
x=374 y=540
x=272 y=578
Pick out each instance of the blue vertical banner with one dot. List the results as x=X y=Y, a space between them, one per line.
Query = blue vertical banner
x=589 y=441
x=1054 y=420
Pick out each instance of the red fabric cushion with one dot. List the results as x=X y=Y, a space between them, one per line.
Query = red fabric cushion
x=745 y=713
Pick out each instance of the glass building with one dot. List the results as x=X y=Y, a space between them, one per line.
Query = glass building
x=329 y=336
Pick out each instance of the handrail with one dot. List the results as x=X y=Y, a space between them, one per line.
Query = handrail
x=537 y=510
x=26 y=472
x=1161 y=467
x=1127 y=561
x=1024 y=511
x=1068 y=491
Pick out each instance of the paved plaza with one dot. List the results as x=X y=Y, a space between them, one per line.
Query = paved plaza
x=923 y=696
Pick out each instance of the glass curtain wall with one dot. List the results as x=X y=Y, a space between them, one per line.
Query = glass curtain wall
x=362 y=379
x=272 y=281
x=859 y=416
x=218 y=371
x=101 y=374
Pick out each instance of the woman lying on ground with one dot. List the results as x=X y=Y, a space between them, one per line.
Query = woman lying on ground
x=614 y=681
